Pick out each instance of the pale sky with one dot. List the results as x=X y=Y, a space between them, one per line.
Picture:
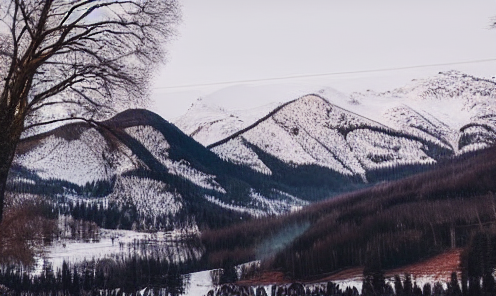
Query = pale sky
x=236 y=41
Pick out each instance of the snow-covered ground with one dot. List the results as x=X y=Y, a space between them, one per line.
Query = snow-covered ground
x=199 y=283
x=112 y=243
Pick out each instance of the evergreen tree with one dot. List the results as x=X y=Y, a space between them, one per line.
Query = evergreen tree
x=66 y=277
x=374 y=283
x=398 y=285
x=76 y=283
x=453 y=286
x=229 y=274
x=438 y=290
x=427 y=290
x=408 y=285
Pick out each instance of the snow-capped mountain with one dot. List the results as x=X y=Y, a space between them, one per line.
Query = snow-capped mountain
x=263 y=161
x=312 y=131
x=441 y=116
x=208 y=123
x=455 y=108
x=154 y=168
x=224 y=112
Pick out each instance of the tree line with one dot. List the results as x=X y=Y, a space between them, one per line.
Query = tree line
x=393 y=223
x=127 y=275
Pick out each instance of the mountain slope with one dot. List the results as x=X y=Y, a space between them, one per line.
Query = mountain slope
x=312 y=131
x=385 y=226
x=363 y=133
x=152 y=167
x=455 y=108
x=222 y=113
x=208 y=123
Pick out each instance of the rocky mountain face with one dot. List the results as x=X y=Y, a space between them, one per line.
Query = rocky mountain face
x=270 y=160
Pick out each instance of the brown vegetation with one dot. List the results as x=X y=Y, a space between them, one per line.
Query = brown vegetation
x=22 y=231
x=388 y=225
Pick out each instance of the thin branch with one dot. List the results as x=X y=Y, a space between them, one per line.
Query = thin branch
x=89 y=121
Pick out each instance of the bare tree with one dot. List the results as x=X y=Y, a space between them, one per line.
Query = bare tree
x=83 y=60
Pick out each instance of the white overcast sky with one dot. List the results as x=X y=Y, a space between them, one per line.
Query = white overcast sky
x=235 y=41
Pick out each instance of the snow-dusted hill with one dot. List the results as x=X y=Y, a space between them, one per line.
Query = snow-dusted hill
x=208 y=123
x=164 y=175
x=312 y=131
x=224 y=112
x=455 y=108
x=441 y=116
x=267 y=160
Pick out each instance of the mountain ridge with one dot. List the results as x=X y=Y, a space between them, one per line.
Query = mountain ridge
x=403 y=115
x=306 y=149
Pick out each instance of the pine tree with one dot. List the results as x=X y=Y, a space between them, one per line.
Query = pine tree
x=427 y=290
x=398 y=285
x=408 y=285
x=453 y=286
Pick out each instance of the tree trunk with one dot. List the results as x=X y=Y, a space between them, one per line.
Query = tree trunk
x=10 y=133
x=5 y=162
x=3 y=183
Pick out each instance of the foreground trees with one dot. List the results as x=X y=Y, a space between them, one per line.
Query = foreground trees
x=23 y=230
x=75 y=60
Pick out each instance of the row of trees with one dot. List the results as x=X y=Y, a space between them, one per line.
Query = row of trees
x=102 y=277
x=373 y=285
x=394 y=223
x=478 y=262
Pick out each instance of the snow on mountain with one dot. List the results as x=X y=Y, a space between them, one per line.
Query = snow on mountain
x=209 y=123
x=153 y=168
x=260 y=205
x=351 y=134
x=222 y=113
x=312 y=131
x=441 y=107
x=158 y=146
x=150 y=197
x=76 y=158
x=240 y=154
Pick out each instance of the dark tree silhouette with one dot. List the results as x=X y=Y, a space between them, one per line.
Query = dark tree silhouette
x=75 y=60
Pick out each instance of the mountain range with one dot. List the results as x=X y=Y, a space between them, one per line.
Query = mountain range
x=219 y=166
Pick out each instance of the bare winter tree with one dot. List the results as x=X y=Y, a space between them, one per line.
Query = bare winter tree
x=75 y=60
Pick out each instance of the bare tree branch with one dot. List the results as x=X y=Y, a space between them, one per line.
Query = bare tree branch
x=87 y=58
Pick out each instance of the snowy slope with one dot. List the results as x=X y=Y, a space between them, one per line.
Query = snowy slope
x=224 y=112
x=76 y=159
x=165 y=176
x=443 y=107
x=209 y=123
x=351 y=134
x=312 y=131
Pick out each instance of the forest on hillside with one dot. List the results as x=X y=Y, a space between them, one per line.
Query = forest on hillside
x=388 y=225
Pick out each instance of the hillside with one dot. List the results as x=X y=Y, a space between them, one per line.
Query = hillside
x=312 y=131
x=386 y=226
x=139 y=162
x=360 y=134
